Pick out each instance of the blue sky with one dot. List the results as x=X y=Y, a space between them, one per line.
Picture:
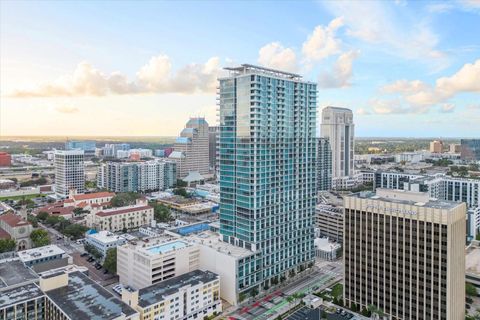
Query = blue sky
x=142 y=68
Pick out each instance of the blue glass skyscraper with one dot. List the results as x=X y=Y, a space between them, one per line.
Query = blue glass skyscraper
x=267 y=167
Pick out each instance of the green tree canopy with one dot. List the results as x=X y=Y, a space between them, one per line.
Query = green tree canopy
x=124 y=199
x=470 y=289
x=161 y=212
x=7 y=245
x=110 y=262
x=40 y=238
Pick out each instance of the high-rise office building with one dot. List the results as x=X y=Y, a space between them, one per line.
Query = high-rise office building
x=213 y=147
x=267 y=159
x=470 y=149
x=87 y=146
x=338 y=127
x=436 y=146
x=69 y=172
x=324 y=165
x=404 y=254
x=191 y=149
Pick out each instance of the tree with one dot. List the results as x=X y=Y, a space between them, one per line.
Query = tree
x=110 y=263
x=92 y=250
x=75 y=231
x=124 y=199
x=33 y=220
x=181 y=183
x=7 y=245
x=180 y=192
x=470 y=289
x=161 y=212
x=477 y=237
x=254 y=292
x=40 y=238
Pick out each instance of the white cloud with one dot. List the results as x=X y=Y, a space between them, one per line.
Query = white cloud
x=66 y=109
x=274 y=55
x=341 y=73
x=378 y=23
x=447 y=108
x=362 y=111
x=418 y=93
x=322 y=43
x=154 y=77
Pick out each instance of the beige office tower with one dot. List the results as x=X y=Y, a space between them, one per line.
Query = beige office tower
x=405 y=255
x=191 y=149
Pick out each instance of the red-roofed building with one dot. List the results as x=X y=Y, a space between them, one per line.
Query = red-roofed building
x=89 y=198
x=117 y=219
x=17 y=228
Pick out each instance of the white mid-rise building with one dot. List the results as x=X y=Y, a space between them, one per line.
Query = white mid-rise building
x=69 y=172
x=142 y=264
x=193 y=295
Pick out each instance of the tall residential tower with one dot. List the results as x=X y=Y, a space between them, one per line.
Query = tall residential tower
x=267 y=159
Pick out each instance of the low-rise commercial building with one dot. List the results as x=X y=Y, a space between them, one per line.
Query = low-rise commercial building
x=193 y=295
x=104 y=241
x=45 y=258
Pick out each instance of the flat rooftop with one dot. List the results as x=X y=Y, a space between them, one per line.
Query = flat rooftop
x=167 y=247
x=429 y=203
x=20 y=294
x=158 y=292
x=472 y=260
x=83 y=298
x=106 y=237
x=212 y=240
x=14 y=272
x=39 y=253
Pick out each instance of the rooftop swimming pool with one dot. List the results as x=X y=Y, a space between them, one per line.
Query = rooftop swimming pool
x=162 y=248
x=193 y=229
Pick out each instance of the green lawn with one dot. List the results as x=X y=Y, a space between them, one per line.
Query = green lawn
x=29 y=196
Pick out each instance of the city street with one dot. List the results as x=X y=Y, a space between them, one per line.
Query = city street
x=326 y=273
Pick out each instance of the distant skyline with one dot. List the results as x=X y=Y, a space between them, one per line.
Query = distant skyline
x=406 y=69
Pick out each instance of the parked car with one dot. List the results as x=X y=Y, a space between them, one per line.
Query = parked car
x=84 y=254
x=98 y=267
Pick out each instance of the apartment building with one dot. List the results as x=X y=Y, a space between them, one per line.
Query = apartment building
x=121 y=218
x=193 y=295
x=268 y=177
x=137 y=176
x=324 y=165
x=69 y=172
x=404 y=254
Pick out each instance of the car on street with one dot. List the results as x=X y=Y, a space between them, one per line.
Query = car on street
x=84 y=254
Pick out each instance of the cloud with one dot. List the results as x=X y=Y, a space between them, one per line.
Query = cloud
x=378 y=23
x=418 y=93
x=322 y=43
x=154 y=77
x=66 y=109
x=274 y=55
x=447 y=108
x=362 y=111
x=341 y=73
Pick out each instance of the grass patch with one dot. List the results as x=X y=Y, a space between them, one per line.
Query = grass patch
x=28 y=196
